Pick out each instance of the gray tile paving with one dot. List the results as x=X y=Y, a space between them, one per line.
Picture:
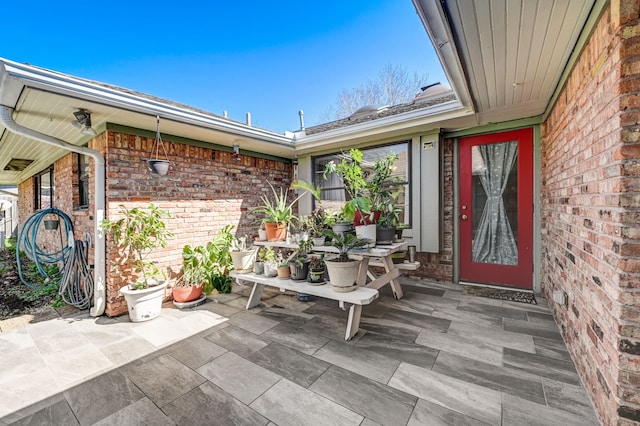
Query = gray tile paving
x=435 y=357
x=373 y=400
x=290 y=364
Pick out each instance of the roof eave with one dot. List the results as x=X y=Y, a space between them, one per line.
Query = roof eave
x=434 y=19
x=14 y=77
x=431 y=117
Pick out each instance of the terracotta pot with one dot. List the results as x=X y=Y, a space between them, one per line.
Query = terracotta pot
x=276 y=231
x=284 y=272
x=186 y=294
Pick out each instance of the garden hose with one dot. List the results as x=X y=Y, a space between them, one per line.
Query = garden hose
x=76 y=282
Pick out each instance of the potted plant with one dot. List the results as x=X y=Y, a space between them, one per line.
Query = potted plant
x=262 y=232
x=284 y=272
x=400 y=227
x=269 y=258
x=299 y=261
x=195 y=273
x=137 y=233
x=242 y=256
x=342 y=269
x=354 y=179
x=317 y=269
x=386 y=229
x=314 y=225
x=278 y=213
x=258 y=265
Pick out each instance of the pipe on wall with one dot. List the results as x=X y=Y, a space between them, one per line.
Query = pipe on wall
x=99 y=295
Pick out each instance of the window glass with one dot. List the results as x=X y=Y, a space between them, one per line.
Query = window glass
x=44 y=186
x=83 y=181
x=333 y=194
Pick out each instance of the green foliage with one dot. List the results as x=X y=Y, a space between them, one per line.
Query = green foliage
x=208 y=263
x=140 y=232
x=222 y=283
x=279 y=209
x=314 y=222
x=344 y=243
x=267 y=254
x=302 y=252
x=368 y=190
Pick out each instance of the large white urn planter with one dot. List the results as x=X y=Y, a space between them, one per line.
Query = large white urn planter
x=343 y=275
x=144 y=304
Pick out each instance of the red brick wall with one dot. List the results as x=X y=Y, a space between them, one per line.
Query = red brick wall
x=590 y=213
x=65 y=198
x=204 y=191
x=439 y=266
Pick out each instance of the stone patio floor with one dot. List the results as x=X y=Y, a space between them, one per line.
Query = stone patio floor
x=435 y=357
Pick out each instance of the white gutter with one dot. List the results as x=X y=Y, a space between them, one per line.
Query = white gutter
x=66 y=85
x=99 y=293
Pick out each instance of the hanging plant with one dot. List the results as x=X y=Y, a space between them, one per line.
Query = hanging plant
x=156 y=165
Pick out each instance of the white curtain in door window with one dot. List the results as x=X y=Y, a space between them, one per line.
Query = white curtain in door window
x=494 y=241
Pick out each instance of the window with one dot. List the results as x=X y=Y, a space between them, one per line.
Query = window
x=83 y=181
x=333 y=194
x=44 y=187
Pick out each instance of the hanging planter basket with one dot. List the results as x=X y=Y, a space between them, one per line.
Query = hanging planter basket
x=157 y=165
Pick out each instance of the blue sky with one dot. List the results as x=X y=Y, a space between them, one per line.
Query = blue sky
x=271 y=58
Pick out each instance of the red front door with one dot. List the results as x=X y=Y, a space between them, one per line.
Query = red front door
x=496 y=208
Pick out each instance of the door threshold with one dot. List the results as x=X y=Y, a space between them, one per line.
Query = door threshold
x=498 y=287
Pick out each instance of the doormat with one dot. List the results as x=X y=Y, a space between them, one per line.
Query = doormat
x=502 y=294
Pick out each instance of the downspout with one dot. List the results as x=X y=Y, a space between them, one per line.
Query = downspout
x=99 y=294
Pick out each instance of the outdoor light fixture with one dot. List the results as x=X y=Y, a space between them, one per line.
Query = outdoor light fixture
x=236 y=152
x=83 y=122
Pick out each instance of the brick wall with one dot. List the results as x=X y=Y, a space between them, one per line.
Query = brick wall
x=591 y=215
x=204 y=191
x=439 y=266
x=65 y=198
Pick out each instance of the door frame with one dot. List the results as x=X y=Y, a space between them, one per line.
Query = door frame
x=536 y=191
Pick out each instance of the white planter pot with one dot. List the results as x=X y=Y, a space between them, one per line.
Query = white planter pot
x=144 y=304
x=343 y=275
x=367 y=232
x=262 y=234
x=243 y=260
x=270 y=269
x=318 y=241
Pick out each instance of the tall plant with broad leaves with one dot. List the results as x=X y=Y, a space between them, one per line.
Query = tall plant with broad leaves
x=210 y=264
x=344 y=243
x=139 y=232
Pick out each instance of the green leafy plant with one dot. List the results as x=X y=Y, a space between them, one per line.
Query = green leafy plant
x=344 y=243
x=302 y=252
x=354 y=178
x=267 y=254
x=139 y=232
x=279 y=209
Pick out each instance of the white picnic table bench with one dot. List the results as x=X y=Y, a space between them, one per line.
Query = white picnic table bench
x=365 y=293
x=356 y=298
